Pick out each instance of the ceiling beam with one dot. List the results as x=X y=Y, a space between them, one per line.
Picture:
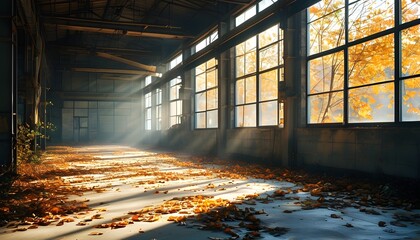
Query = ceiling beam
x=110 y=70
x=127 y=61
x=87 y=49
x=115 y=31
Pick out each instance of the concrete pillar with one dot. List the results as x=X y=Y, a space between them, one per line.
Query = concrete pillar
x=8 y=85
x=292 y=65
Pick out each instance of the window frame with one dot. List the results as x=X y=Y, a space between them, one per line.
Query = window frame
x=396 y=31
x=279 y=67
x=207 y=70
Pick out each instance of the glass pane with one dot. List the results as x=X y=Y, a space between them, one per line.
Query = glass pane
x=410 y=54
x=269 y=57
x=240 y=49
x=327 y=32
x=372 y=104
x=281 y=114
x=250 y=90
x=173 y=120
x=265 y=4
x=239 y=116
x=200 y=69
x=410 y=10
x=240 y=91
x=212 y=99
x=281 y=53
x=268 y=113
x=212 y=119
x=174 y=92
x=179 y=107
x=367 y=17
x=240 y=66
x=211 y=63
x=250 y=115
x=268 y=36
x=172 y=110
x=200 y=102
x=200 y=82
x=323 y=8
x=200 y=120
x=251 y=62
x=211 y=79
x=268 y=85
x=326 y=108
x=251 y=44
x=372 y=61
x=326 y=73
x=149 y=113
x=411 y=99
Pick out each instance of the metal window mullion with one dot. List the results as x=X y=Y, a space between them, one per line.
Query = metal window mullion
x=346 y=65
x=397 y=63
x=257 y=79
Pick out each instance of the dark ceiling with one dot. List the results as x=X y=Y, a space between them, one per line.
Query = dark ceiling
x=94 y=32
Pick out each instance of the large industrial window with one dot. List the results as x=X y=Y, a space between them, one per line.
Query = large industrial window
x=206 y=95
x=364 y=61
x=259 y=68
x=175 y=107
x=148 y=110
x=158 y=109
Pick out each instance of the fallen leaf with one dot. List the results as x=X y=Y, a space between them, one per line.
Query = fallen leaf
x=96 y=233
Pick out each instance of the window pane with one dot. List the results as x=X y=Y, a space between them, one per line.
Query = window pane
x=240 y=49
x=372 y=61
x=367 y=17
x=251 y=44
x=212 y=99
x=211 y=63
x=268 y=113
x=179 y=107
x=200 y=102
x=326 y=73
x=200 y=69
x=174 y=92
x=240 y=66
x=411 y=99
x=250 y=62
x=327 y=32
x=211 y=79
x=212 y=119
x=240 y=91
x=239 y=114
x=268 y=85
x=281 y=53
x=173 y=108
x=326 y=108
x=410 y=54
x=410 y=10
x=250 y=115
x=372 y=104
x=323 y=8
x=281 y=114
x=269 y=57
x=268 y=36
x=200 y=120
x=246 y=116
x=200 y=82
x=251 y=90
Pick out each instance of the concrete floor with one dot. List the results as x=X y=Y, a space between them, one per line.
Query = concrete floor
x=124 y=180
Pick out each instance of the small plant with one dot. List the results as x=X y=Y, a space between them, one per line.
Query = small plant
x=27 y=149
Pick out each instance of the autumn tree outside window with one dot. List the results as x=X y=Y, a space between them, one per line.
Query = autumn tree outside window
x=364 y=61
x=206 y=95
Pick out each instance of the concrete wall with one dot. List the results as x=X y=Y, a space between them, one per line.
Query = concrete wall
x=394 y=151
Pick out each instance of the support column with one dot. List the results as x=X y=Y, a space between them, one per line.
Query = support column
x=292 y=76
x=8 y=93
